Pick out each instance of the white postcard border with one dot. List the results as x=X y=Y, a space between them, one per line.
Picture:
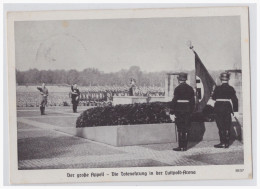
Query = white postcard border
x=202 y=172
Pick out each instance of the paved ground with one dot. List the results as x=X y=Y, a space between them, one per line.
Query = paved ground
x=40 y=146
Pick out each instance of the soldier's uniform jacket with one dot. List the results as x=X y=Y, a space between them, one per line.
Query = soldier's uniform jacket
x=74 y=96
x=183 y=100
x=222 y=93
x=44 y=92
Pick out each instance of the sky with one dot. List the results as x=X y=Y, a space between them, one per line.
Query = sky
x=153 y=44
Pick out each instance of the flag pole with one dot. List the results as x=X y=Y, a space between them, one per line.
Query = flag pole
x=191 y=47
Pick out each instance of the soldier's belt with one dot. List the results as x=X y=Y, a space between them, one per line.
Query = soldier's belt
x=183 y=101
x=223 y=100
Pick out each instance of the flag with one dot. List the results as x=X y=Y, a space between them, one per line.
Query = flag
x=204 y=84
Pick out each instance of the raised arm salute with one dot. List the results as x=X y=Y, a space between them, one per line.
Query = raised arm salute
x=75 y=97
x=44 y=92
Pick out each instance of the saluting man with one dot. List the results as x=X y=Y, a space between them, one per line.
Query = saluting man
x=75 y=97
x=225 y=105
x=44 y=92
x=182 y=106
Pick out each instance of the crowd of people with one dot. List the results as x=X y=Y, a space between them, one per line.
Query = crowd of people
x=180 y=111
x=28 y=96
x=32 y=99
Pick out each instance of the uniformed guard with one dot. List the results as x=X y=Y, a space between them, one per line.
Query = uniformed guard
x=182 y=106
x=44 y=92
x=225 y=105
x=132 y=87
x=75 y=94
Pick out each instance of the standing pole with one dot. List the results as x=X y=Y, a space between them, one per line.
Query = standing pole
x=191 y=47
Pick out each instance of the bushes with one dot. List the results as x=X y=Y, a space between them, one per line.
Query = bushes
x=65 y=103
x=128 y=114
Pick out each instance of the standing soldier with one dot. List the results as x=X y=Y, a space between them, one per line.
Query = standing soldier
x=182 y=106
x=44 y=92
x=74 y=97
x=225 y=97
x=132 y=87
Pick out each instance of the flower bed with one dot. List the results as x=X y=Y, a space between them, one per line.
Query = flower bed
x=127 y=114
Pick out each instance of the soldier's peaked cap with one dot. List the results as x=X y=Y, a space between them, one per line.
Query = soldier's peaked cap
x=182 y=76
x=225 y=76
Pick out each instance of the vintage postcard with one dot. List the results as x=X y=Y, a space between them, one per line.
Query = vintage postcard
x=129 y=95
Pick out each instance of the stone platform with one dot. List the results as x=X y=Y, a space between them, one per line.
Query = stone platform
x=128 y=135
x=136 y=99
x=42 y=146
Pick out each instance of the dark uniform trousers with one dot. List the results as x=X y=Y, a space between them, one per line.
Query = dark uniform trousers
x=75 y=99
x=183 y=122
x=74 y=105
x=43 y=103
x=182 y=106
x=226 y=104
x=223 y=121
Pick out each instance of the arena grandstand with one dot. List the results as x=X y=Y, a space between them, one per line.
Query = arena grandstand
x=29 y=96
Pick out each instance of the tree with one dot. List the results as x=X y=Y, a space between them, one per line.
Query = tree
x=94 y=77
x=72 y=77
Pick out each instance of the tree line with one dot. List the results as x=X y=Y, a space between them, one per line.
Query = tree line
x=93 y=77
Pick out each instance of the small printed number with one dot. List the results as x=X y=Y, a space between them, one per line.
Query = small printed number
x=239 y=170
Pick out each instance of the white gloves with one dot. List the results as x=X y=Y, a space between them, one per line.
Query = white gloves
x=211 y=102
x=236 y=114
x=172 y=117
x=167 y=111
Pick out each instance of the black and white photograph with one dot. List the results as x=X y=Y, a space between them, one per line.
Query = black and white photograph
x=142 y=94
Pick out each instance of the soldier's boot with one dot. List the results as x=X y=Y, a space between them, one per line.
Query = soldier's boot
x=185 y=141
x=41 y=109
x=74 y=108
x=227 y=138
x=222 y=140
x=181 y=140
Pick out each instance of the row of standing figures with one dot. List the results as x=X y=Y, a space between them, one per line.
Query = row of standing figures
x=182 y=106
x=75 y=97
x=183 y=103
